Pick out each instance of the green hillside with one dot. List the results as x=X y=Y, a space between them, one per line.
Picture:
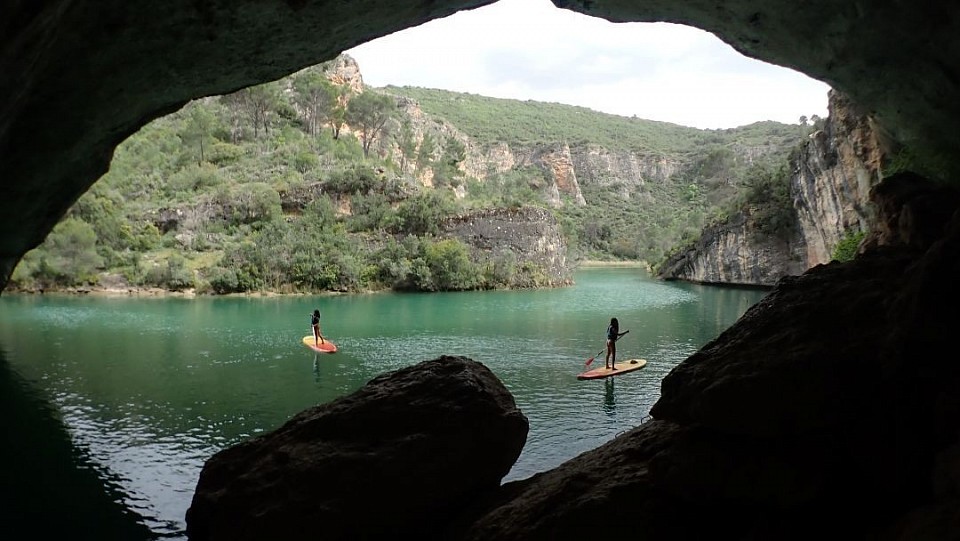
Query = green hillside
x=719 y=172
x=494 y=120
x=302 y=186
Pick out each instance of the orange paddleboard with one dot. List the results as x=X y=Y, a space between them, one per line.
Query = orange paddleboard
x=623 y=367
x=324 y=347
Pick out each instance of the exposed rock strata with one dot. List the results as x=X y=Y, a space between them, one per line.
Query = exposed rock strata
x=830 y=185
x=529 y=234
x=732 y=253
x=832 y=179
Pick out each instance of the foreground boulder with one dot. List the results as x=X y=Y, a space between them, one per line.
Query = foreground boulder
x=399 y=455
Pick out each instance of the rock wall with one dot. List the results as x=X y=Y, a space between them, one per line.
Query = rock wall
x=731 y=253
x=830 y=187
x=834 y=175
x=598 y=165
x=562 y=165
x=532 y=234
x=568 y=167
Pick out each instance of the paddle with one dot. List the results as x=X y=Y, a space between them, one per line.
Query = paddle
x=590 y=360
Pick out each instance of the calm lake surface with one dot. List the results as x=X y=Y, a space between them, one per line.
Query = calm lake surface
x=147 y=389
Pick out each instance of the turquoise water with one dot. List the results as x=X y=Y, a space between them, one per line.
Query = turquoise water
x=148 y=389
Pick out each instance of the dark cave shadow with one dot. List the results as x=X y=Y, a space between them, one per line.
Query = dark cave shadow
x=49 y=488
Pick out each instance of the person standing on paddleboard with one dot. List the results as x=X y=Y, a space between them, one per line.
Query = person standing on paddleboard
x=315 y=323
x=613 y=334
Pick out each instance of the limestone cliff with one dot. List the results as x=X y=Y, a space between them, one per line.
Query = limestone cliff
x=731 y=253
x=830 y=184
x=512 y=236
x=565 y=167
x=833 y=177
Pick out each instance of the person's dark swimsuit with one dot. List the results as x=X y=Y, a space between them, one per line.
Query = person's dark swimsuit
x=315 y=323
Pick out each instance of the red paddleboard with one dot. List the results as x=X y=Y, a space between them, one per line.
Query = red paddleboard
x=323 y=347
x=623 y=367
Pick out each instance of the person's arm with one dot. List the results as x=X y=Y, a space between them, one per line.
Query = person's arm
x=621 y=334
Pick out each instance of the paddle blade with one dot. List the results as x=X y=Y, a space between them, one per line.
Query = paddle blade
x=590 y=360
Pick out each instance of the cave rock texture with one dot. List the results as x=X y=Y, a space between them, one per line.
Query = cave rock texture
x=80 y=76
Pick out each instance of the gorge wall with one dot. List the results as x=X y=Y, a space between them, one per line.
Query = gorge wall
x=515 y=237
x=830 y=183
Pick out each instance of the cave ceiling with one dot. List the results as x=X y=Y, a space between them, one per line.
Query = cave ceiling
x=80 y=77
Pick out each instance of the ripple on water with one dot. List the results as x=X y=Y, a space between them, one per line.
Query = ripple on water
x=208 y=375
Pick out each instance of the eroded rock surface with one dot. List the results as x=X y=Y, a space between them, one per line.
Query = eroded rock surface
x=395 y=459
x=516 y=235
x=831 y=178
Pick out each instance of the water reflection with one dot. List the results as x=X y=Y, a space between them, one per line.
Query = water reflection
x=609 y=400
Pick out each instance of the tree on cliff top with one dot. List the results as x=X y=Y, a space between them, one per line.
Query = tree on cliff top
x=317 y=97
x=368 y=113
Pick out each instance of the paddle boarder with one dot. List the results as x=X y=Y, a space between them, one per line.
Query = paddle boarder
x=315 y=323
x=613 y=334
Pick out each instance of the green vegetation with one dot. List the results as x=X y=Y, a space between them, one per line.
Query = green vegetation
x=301 y=186
x=717 y=172
x=492 y=120
x=846 y=249
x=767 y=198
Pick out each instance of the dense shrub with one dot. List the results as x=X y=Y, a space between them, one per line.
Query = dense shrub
x=846 y=249
x=171 y=274
x=224 y=281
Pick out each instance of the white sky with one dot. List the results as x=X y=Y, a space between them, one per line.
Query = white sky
x=530 y=50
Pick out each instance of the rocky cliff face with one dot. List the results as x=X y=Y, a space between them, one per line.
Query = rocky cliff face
x=568 y=167
x=730 y=253
x=833 y=177
x=555 y=160
x=830 y=187
x=521 y=235
x=565 y=167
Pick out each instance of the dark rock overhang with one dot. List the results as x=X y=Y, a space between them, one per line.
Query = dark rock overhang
x=80 y=77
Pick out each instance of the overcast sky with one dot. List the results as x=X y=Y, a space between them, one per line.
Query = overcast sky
x=530 y=50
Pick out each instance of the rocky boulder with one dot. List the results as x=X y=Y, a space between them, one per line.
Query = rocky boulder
x=401 y=454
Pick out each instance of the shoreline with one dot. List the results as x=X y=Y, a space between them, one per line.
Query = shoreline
x=597 y=263
x=164 y=293
x=156 y=292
